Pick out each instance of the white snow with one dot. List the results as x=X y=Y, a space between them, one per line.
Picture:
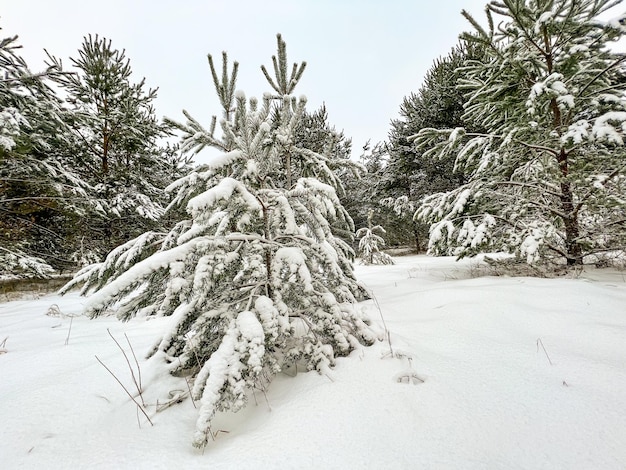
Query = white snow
x=518 y=373
x=552 y=86
x=224 y=159
x=530 y=247
x=578 y=48
x=249 y=326
x=6 y=143
x=618 y=22
x=294 y=259
x=565 y=102
x=212 y=377
x=577 y=132
x=139 y=271
x=461 y=201
x=456 y=134
x=222 y=191
x=610 y=127
x=10 y=122
x=546 y=17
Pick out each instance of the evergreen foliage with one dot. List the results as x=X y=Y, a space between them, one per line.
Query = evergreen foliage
x=254 y=279
x=546 y=177
x=114 y=133
x=40 y=197
x=409 y=176
x=363 y=194
x=315 y=133
x=96 y=159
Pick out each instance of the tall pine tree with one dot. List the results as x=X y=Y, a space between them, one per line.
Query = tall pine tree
x=546 y=178
x=115 y=146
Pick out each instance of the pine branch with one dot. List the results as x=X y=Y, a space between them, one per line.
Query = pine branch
x=544 y=207
x=539 y=189
x=482 y=33
x=600 y=74
x=281 y=82
x=610 y=177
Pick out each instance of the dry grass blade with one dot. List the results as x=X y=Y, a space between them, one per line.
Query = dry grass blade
x=539 y=342
x=132 y=372
x=126 y=390
x=139 y=385
x=382 y=319
x=69 y=331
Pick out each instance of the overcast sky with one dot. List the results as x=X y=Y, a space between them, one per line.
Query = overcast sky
x=363 y=56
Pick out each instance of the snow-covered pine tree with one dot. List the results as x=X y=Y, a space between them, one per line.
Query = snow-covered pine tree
x=254 y=279
x=547 y=177
x=315 y=133
x=370 y=243
x=360 y=193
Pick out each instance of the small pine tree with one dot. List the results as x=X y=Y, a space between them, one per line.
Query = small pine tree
x=254 y=279
x=360 y=195
x=370 y=242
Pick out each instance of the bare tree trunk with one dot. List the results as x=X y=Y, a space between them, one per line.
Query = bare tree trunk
x=105 y=152
x=573 y=250
x=570 y=219
x=572 y=232
x=105 y=140
x=268 y=252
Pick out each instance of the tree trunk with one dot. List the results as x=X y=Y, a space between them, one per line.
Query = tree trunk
x=268 y=252
x=572 y=246
x=105 y=153
x=573 y=250
x=417 y=238
x=105 y=140
x=288 y=169
x=570 y=219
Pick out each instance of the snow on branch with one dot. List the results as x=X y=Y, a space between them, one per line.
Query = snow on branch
x=610 y=127
x=222 y=191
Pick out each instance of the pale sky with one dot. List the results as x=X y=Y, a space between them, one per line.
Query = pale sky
x=363 y=56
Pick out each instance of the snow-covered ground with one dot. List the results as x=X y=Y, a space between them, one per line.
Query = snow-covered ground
x=518 y=373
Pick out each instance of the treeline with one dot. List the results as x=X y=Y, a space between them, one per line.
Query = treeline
x=85 y=161
x=512 y=143
x=515 y=141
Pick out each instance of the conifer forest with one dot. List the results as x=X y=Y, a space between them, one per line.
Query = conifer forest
x=511 y=150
